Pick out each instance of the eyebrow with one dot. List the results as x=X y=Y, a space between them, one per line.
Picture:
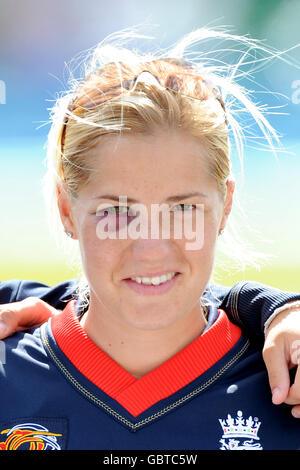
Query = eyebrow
x=178 y=197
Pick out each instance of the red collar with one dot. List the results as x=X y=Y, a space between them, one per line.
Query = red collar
x=137 y=395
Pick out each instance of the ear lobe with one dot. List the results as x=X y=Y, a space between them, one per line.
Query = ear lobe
x=230 y=183
x=64 y=207
x=229 y=200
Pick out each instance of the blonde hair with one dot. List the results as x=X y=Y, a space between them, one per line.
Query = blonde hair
x=193 y=91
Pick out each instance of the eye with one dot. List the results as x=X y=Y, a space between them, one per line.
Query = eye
x=192 y=206
x=115 y=216
x=112 y=210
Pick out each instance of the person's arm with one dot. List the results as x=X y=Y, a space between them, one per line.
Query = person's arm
x=251 y=304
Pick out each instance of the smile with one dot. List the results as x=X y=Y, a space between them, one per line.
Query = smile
x=152 y=286
x=154 y=280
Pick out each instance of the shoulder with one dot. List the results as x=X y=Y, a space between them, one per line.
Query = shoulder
x=28 y=377
x=9 y=290
x=215 y=293
x=20 y=353
x=15 y=289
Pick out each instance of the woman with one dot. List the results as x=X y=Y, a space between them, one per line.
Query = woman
x=143 y=361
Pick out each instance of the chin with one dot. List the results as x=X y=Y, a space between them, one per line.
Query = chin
x=150 y=323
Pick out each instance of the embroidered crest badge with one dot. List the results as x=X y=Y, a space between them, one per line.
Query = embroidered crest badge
x=29 y=436
x=240 y=434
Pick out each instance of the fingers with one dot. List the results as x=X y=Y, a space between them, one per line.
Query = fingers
x=23 y=314
x=279 y=378
x=278 y=373
x=296 y=411
x=8 y=322
x=281 y=353
x=293 y=397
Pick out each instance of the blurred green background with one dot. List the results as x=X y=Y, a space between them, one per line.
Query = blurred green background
x=37 y=38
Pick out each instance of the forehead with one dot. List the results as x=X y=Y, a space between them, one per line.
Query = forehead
x=153 y=159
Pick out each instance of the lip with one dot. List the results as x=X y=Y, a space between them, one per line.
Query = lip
x=150 y=289
x=153 y=274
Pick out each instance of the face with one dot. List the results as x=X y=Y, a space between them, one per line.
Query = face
x=149 y=169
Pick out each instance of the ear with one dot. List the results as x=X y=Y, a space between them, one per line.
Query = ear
x=230 y=184
x=64 y=207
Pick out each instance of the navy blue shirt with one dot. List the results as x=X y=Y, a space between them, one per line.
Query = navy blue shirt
x=59 y=392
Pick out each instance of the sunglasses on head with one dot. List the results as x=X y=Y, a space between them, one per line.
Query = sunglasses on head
x=183 y=79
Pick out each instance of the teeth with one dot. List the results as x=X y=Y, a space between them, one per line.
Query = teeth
x=153 y=280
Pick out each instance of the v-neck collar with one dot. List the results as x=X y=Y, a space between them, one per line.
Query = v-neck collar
x=137 y=395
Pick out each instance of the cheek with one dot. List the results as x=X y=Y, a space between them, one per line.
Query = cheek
x=98 y=256
x=202 y=258
x=210 y=233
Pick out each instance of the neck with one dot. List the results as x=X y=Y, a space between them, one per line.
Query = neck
x=139 y=351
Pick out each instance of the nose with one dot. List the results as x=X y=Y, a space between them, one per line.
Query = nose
x=153 y=251
x=154 y=224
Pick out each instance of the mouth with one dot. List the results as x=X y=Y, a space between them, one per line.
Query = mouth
x=151 y=289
